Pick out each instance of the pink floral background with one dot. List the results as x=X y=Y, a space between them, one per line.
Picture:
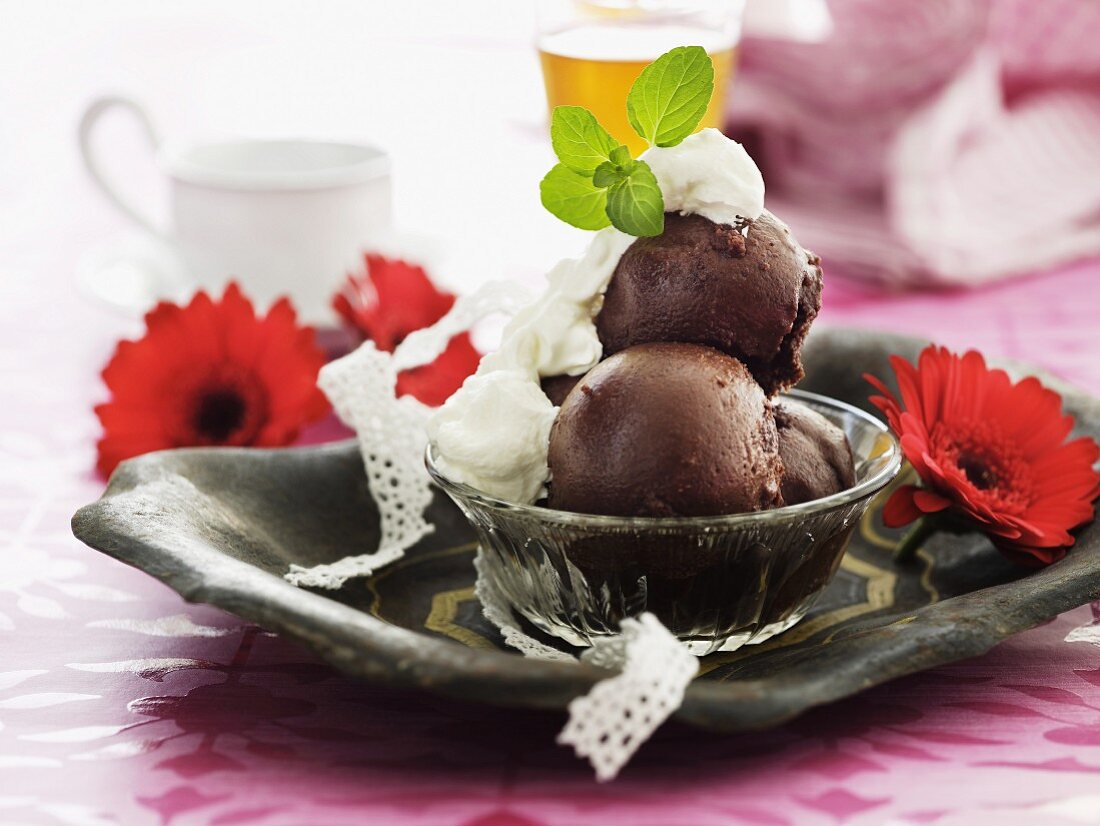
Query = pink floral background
x=121 y=704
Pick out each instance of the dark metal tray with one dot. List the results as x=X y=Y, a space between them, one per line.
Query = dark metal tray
x=222 y=526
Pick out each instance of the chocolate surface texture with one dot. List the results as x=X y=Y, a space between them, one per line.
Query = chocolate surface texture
x=665 y=429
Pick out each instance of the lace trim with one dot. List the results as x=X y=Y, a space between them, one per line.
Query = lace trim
x=610 y=723
x=607 y=725
x=391 y=431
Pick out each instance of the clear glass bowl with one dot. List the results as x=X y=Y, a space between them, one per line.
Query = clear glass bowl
x=714 y=581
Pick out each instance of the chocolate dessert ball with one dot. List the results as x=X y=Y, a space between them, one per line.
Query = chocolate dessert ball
x=665 y=429
x=557 y=388
x=817 y=459
x=752 y=296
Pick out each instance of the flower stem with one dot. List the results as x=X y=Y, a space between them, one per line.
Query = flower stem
x=917 y=536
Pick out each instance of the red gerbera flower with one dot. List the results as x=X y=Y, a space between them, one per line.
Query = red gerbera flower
x=989 y=452
x=392 y=299
x=210 y=373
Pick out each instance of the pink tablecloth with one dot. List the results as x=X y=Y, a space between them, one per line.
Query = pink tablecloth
x=121 y=704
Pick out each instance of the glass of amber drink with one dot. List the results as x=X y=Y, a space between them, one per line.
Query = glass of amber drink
x=592 y=51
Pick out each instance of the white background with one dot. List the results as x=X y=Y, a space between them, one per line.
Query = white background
x=451 y=89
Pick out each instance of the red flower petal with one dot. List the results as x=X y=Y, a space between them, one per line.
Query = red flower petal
x=434 y=383
x=900 y=509
x=210 y=373
x=930 y=502
x=391 y=299
x=970 y=393
x=990 y=451
x=1031 y=557
x=910 y=394
x=915 y=449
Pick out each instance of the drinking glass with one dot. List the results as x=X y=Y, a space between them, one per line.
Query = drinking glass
x=713 y=581
x=593 y=50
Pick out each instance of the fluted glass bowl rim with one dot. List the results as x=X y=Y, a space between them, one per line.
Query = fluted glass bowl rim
x=868 y=487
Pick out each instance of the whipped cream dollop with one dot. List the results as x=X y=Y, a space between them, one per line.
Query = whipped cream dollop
x=495 y=435
x=555 y=333
x=494 y=432
x=710 y=175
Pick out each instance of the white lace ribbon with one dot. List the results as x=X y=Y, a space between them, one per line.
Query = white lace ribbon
x=607 y=725
x=391 y=433
x=425 y=346
x=496 y=610
x=361 y=387
x=610 y=722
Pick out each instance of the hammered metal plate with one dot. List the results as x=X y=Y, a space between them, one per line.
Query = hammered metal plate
x=221 y=526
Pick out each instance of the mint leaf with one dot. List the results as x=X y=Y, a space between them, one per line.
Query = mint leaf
x=573 y=198
x=606 y=174
x=670 y=96
x=618 y=167
x=578 y=139
x=634 y=203
x=620 y=156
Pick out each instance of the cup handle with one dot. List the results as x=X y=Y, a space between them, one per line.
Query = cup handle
x=88 y=122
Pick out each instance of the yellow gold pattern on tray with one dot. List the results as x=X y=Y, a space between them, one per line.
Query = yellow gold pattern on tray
x=374 y=581
x=880 y=584
x=444 y=613
x=868 y=532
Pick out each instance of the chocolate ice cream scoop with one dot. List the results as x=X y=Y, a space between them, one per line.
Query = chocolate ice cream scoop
x=557 y=388
x=817 y=459
x=752 y=296
x=665 y=429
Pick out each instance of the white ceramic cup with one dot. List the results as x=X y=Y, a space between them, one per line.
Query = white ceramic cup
x=281 y=217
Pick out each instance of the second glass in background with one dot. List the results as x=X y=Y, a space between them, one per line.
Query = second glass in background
x=593 y=50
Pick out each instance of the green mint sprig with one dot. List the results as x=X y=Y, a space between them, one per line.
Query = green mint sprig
x=670 y=96
x=597 y=183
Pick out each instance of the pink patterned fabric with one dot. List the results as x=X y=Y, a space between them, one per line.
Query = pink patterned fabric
x=955 y=141
x=120 y=704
